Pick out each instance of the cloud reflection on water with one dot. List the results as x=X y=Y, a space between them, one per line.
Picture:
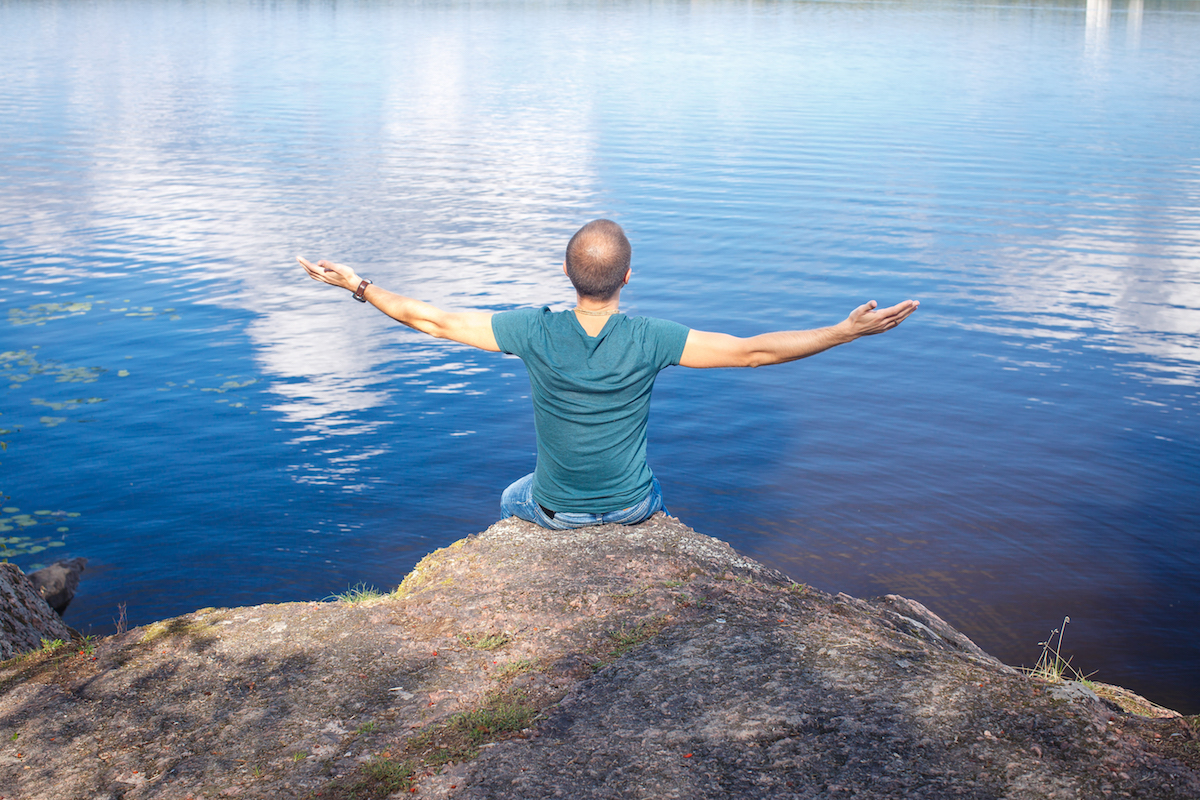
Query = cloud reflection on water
x=481 y=194
x=429 y=177
x=1123 y=282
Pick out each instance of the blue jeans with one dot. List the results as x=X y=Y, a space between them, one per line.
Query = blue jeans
x=517 y=501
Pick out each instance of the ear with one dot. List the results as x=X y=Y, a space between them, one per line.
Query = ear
x=628 y=274
x=565 y=269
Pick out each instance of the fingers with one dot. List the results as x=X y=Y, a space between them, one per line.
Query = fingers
x=900 y=311
x=312 y=271
x=865 y=308
x=324 y=271
x=331 y=273
x=869 y=321
x=907 y=310
x=330 y=267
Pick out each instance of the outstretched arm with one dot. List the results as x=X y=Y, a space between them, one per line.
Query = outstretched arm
x=468 y=327
x=705 y=349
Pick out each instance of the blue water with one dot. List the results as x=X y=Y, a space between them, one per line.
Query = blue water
x=212 y=428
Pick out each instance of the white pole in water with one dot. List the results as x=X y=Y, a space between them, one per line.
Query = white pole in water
x=1098 y=12
x=1133 y=22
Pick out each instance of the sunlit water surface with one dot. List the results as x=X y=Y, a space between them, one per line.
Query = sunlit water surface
x=209 y=427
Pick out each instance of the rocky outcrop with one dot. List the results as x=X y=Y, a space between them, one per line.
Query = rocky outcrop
x=643 y=662
x=25 y=618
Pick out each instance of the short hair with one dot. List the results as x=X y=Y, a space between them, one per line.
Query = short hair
x=598 y=257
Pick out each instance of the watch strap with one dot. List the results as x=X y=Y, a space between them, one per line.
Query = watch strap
x=359 y=293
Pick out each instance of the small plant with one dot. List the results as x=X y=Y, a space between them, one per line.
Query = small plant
x=121 y=621
x=379 y=777
x=366 y=727
x=15 y=736
x=800 y=589
x=1051 y=666
x=515 y=667
x=628 y=593
x=88 y=646
x=625 y=639
x=682 y=599
x=358 y=593
x=299 y=756
x=387 y=775
x=484 y=641
x=460 y=737
x=673 y=584
x=443 y=756
x=50 y=645
x=493 y=721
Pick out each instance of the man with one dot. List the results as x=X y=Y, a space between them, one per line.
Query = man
x=592 y=370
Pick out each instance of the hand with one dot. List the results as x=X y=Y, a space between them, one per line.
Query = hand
x=331 y=273
x=867 y=321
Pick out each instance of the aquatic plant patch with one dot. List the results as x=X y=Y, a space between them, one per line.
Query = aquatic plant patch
x=41 y=313
x=22 y=545
x=230 y=384
x=63 y=373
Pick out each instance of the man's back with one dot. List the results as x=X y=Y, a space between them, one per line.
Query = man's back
x=591 y=400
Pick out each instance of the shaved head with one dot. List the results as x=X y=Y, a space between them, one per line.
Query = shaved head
x=598 y=257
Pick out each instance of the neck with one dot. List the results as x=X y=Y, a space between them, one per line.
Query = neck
x=589 y=307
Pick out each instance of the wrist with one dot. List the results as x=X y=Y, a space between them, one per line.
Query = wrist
x=844 y=332
x=360 y=289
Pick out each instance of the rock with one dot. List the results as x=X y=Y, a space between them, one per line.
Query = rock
x=1073 y=690
x=930 y=626
x=57 y=583
x=650 y=661
x=25 y=618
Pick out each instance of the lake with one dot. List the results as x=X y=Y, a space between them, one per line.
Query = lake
x=209 y=427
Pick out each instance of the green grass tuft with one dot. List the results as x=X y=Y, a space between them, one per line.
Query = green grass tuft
x=491 y=722
x=623 y=640
x=358 y=593
x=484 y=641
x=1051 y=666
x=383 y=776
x=518 y=667
x=458 y=739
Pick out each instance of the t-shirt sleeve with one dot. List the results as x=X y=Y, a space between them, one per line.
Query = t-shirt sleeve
x=511 y=329
x=667 y=340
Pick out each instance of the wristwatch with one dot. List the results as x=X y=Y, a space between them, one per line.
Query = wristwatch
x=362 y=287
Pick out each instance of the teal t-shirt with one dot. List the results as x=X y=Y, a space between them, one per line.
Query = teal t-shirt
x=591 y=402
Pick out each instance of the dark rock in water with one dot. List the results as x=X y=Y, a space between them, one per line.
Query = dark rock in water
x=57 y=583
x=25 y=619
